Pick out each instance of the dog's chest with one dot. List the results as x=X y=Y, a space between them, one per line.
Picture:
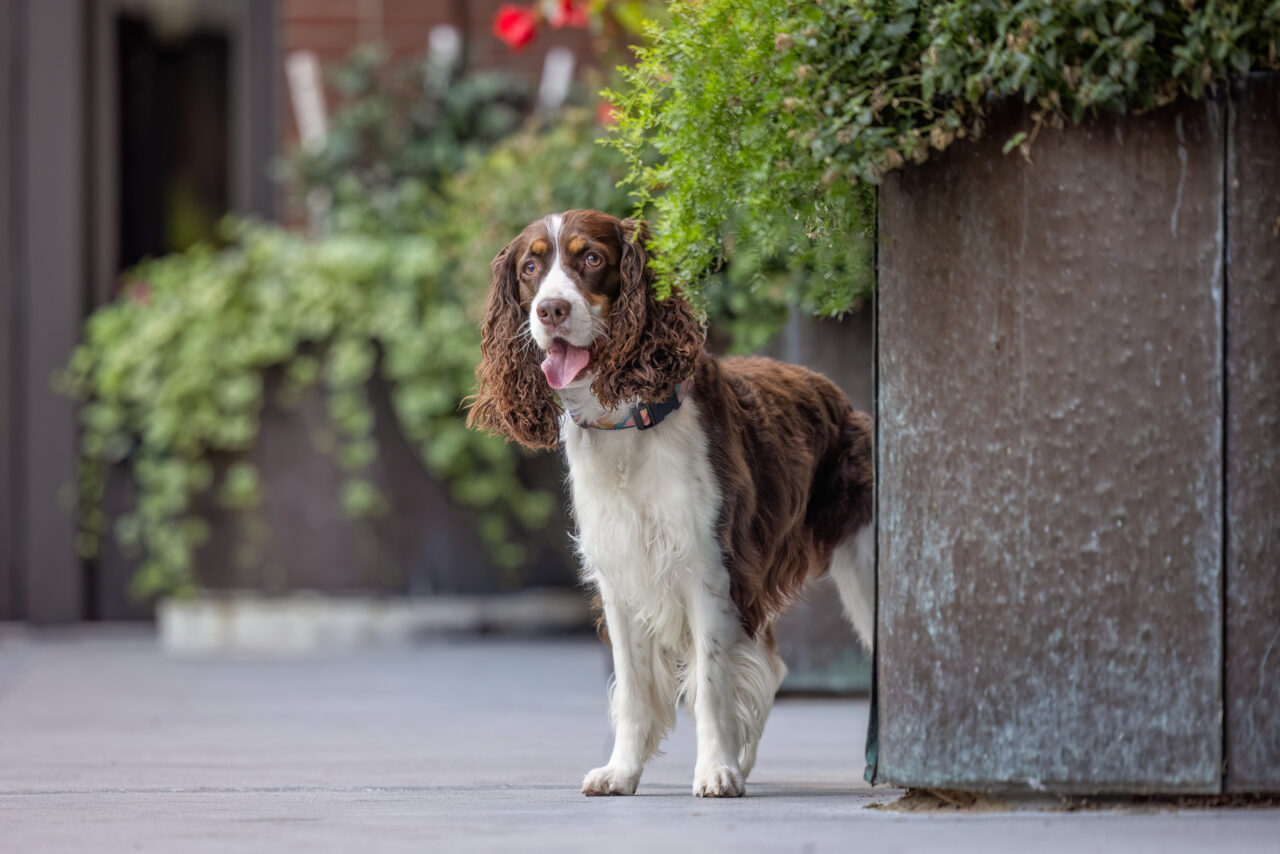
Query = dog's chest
x=646 y=505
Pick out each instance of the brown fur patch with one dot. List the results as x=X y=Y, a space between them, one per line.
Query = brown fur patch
x=512 y=397
x=538 y=247
x=600 y=301
x=796 y=473
x=577 y=244
x=655 y=345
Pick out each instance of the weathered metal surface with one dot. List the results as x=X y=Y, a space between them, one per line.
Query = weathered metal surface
x=816 y=642
x=1253 y=438
x=1050 y=430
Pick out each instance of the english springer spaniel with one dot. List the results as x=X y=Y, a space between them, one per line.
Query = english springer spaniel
x=705 y=491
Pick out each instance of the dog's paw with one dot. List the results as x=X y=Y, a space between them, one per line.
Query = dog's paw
x=718 y=781
x=610 y=780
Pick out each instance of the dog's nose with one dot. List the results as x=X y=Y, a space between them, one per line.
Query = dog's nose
x=552 y=312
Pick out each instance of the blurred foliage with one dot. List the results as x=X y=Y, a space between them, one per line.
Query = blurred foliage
x=774 y=118
x=552 y=165
x=173 y=373
x=401 y=128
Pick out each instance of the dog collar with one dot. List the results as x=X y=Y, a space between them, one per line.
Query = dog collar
x=646 y=415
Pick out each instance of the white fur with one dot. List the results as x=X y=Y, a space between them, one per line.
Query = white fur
x=579 y=329
x=646 y=504
x=853 y=566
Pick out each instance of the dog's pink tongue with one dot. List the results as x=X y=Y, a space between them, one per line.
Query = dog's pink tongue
x=563 y=363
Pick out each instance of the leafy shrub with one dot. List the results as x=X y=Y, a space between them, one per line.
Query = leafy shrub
x=768 y=112
x=173 y=372
x=401 y=129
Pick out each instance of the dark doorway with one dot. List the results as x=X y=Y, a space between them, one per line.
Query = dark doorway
x=174 y=137
x=183 y=117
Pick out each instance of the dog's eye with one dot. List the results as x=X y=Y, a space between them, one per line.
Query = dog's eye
x=530 y=267
x=592 y=259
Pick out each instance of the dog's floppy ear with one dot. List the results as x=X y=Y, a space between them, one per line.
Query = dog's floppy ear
x=512 y=397
x=654 y=344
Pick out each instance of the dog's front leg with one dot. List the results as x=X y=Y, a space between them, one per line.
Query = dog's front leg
x=714 y=626
x=641 y=702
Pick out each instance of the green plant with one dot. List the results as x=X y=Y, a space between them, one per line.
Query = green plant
x=173 y=373
x=772 y=111
x=551 y=166
x=556 y=166
x=401 y=129
x=710 y=96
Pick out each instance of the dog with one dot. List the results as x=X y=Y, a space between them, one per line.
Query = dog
x=705 y=492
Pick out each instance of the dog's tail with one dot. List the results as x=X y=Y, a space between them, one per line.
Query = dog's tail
x=843 y=511
x=853 y=567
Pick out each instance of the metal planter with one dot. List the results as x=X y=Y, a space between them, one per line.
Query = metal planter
x=1079 y=516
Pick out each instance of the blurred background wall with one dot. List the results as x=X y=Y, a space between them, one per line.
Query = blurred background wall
x=184 y=103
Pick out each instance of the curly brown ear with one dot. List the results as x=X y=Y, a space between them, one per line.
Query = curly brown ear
x=655 y=344
x=512 y=397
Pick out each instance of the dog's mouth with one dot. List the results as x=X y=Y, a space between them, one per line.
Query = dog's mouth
x=565 y=362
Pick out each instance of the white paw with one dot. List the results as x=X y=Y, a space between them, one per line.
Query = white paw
x=718 y=781
x=610 y=780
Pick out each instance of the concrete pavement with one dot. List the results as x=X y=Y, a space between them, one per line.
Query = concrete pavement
x=106 y=745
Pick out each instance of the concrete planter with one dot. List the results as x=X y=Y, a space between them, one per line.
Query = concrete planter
x=1078 y=359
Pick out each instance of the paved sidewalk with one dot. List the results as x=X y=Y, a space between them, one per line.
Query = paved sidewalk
x=106 y=746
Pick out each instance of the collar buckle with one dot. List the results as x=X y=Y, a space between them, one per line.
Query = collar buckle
x=644 y=416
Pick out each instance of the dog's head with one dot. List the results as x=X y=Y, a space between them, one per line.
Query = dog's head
x=572 y=304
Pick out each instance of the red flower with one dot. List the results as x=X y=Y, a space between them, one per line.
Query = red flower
x=606 y=114
x=515 y=25
x=569 y=13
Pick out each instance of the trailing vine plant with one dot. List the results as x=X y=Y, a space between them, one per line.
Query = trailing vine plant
x=173 y=373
